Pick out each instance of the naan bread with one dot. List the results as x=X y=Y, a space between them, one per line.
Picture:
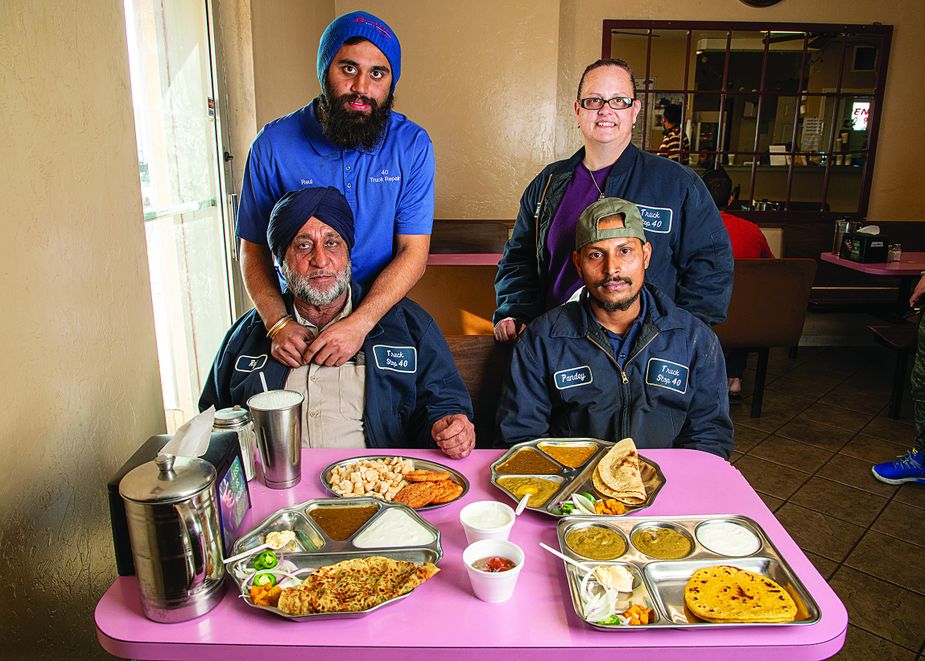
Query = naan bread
x=354 y=585
x=617 y=475
x=730 y=594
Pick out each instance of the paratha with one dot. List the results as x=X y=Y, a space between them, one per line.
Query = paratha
x=354 y=585
x=729 y=594
x=618 y=475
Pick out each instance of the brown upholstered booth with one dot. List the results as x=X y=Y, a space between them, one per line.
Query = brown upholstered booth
x=483 y=365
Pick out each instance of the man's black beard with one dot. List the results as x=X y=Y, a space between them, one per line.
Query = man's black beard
x=614 y=306
x=349 y=129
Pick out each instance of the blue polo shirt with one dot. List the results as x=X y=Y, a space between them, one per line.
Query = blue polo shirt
x=389 y=187
x=623 y=344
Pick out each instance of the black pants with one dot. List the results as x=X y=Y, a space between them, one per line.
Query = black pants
x=735 y=362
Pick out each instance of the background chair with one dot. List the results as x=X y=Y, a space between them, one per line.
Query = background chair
x=768 y=308
x=901 y=338
x=483 y=365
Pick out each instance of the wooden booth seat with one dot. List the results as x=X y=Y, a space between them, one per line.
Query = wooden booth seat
x=483 y=364
x=768 y=308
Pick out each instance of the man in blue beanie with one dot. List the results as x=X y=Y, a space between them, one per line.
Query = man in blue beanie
x=401 y=389
x=348 y=138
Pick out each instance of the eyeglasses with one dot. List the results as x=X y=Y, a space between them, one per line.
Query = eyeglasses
x=596 y=103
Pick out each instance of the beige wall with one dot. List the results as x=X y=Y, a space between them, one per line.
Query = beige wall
x=80 y=381
x=285 y=38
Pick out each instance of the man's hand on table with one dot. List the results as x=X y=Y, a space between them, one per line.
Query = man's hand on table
x=290 y=343
x=337 y=343
x=455 y=435
x=507 y=330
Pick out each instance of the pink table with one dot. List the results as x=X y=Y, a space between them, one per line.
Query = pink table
x=911 y=265
x=443 y=620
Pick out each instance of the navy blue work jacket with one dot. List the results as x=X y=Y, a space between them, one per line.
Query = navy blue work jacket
x=411 y=379
x=671 y=393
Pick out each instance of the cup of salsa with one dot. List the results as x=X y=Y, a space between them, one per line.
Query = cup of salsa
x=493 y=566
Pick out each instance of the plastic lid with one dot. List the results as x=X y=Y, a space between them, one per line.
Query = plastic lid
x=167 y=479
x=231 y=417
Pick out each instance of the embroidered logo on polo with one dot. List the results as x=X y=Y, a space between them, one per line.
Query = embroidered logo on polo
x=396 y=359
x=667 y=374
x=250 y=363
x=384 y=176
x=573 y=377
x=655 y=219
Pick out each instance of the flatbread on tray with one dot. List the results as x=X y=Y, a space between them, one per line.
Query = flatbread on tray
x=729 y=594
x=617 y=475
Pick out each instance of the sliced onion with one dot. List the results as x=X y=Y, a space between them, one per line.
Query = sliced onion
x=585 y=505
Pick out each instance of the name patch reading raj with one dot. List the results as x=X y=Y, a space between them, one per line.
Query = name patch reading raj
x=250 y=363
x=396 y=359
x=666 y=374
x=655 y=219
x=573 y=377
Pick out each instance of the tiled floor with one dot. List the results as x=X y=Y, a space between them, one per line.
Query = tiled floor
x=809 y=455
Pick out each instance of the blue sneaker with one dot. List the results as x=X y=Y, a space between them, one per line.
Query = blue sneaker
x=909 y=467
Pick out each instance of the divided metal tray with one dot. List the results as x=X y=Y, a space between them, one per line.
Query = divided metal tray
x=317 y=549
x=577 y=479
x=659 y=584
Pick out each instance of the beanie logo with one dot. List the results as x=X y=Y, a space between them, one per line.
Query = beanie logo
x=385 y=32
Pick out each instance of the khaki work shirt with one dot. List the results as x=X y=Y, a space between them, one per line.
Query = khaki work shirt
x=332 y=413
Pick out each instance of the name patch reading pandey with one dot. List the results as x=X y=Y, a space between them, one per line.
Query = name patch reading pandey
x=573 y=377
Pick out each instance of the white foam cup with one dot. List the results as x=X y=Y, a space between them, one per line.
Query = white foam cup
x=486 y=519
x=493 y=586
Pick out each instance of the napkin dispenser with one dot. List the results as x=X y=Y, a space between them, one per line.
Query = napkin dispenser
x=224 y=454
x=864 y=248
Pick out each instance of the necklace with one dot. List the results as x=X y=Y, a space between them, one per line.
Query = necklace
x=594 y=181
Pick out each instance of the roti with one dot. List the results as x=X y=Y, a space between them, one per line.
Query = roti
x=729 y=594
x=618 y=471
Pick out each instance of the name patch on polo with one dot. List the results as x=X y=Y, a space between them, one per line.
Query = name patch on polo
x=666 y=374
x=250 y=363
x=573 y=377
x=396 y=359
x=655 y=219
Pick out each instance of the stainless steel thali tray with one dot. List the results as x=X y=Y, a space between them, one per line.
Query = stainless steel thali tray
x=316 y=548
x=578 y=478
x=419 y=464
x=659 y=584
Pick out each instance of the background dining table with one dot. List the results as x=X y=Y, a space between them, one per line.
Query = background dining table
x=442 y=619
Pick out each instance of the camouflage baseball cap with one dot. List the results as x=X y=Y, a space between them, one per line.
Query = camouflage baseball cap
x=588 y=231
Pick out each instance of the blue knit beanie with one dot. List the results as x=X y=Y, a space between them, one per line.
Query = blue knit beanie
x=295 y=208
x=359 y=24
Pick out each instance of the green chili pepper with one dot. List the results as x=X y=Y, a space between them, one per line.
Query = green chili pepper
x=262 y=580
x=266 y=560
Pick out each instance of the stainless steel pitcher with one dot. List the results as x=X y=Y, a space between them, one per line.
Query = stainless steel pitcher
x=173 y=521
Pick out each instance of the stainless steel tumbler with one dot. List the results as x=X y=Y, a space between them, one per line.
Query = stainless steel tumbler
x=278 y=422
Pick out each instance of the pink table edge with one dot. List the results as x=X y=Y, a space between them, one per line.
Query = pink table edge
x=911 y=264
x=457 y=625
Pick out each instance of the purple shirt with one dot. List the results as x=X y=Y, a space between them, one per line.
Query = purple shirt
x=579 y=194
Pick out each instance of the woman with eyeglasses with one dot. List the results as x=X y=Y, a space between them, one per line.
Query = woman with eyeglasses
x=691 y=258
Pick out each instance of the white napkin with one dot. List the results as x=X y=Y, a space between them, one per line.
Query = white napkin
x=869 y=229
x=192 y=439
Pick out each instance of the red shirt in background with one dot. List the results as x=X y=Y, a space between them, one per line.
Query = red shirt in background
x=747 y=240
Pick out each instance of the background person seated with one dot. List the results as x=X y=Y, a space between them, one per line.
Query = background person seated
x=401 y=389
x=623 y=360
x=748 y=242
